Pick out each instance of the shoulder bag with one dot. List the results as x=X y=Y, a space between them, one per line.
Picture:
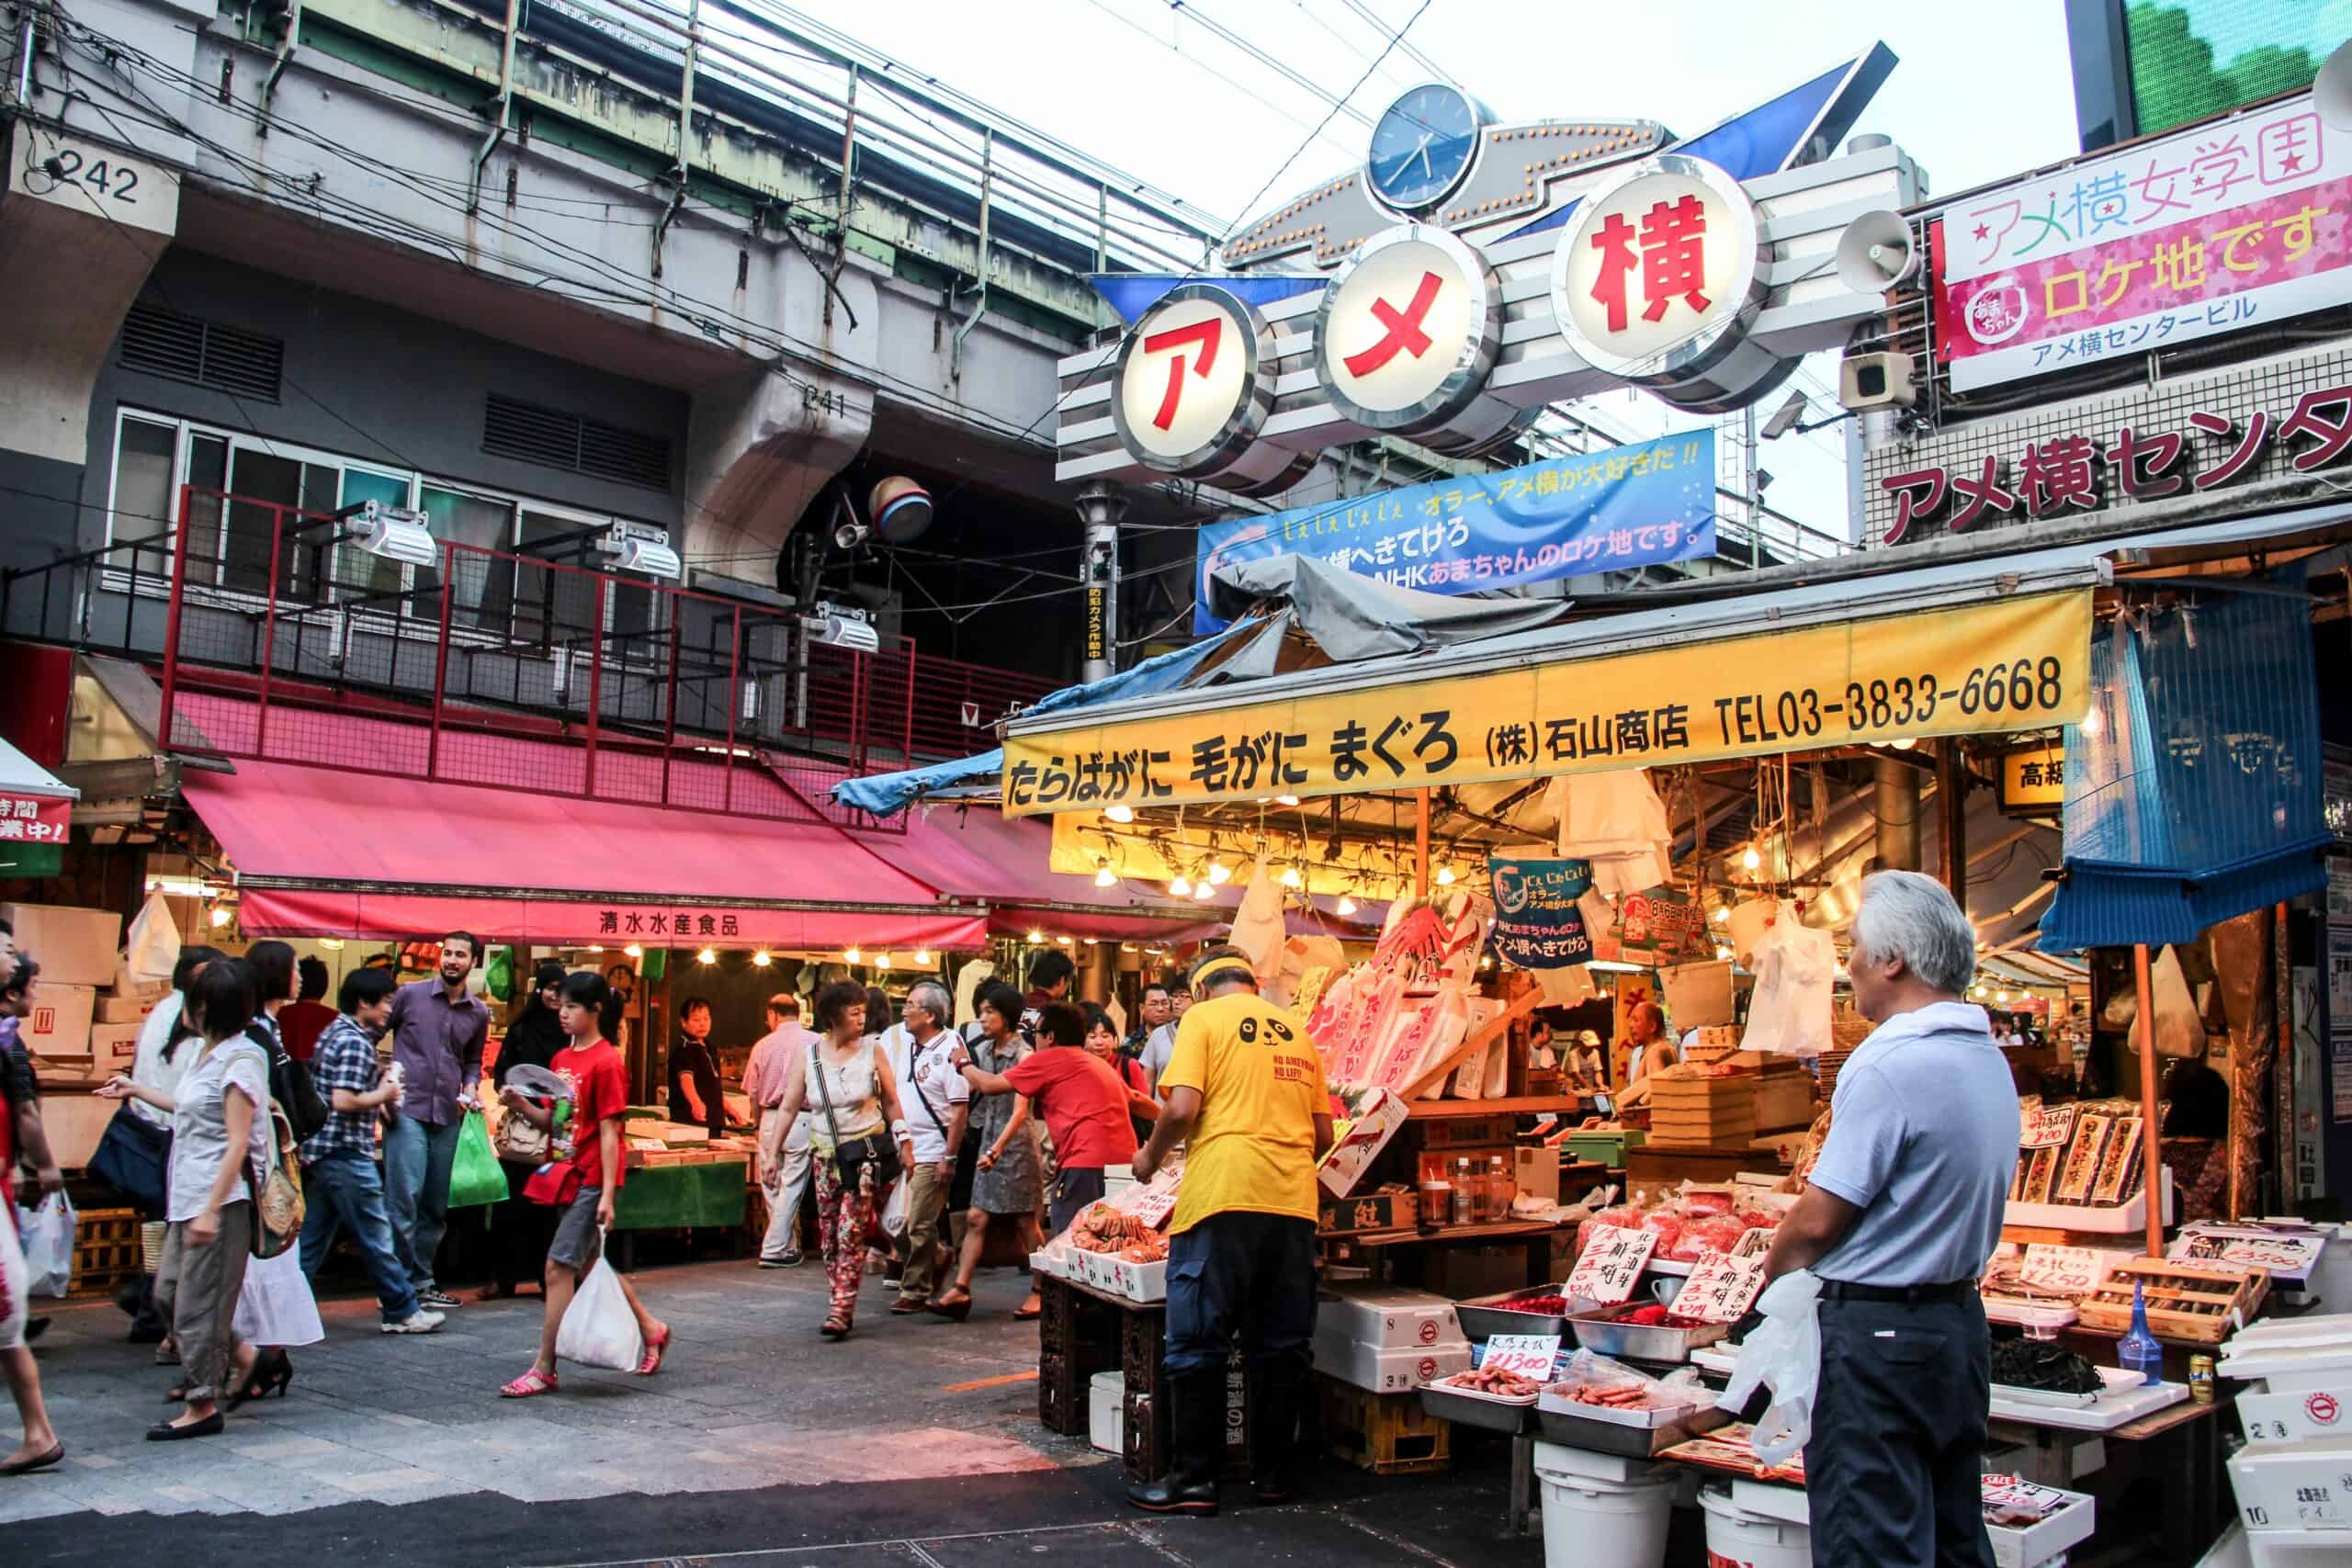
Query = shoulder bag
x=873 y=1152
x=290 y=1084
x=276 y=1180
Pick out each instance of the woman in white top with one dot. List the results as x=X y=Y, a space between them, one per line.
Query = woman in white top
x=220 y=1130
x=165 y=1048
x=275 y=1308
x=851 y=1095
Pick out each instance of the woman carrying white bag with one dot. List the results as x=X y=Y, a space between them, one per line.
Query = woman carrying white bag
x=20 y=1130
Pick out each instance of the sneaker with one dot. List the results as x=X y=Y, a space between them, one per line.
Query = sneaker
x=790 y=1257
x=437 y=1298
x=422 y=1321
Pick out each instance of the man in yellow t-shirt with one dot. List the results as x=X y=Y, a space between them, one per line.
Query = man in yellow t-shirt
x=1243 y=1091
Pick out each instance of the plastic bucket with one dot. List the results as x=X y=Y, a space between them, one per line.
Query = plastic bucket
x=1737 y=1539
x=1106 y=1411
x=1588 y=1522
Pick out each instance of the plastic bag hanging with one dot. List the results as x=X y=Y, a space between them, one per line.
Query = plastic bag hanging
x=1784 y=1355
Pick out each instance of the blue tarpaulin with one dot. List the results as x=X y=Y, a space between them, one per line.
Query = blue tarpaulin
x=2193 y=788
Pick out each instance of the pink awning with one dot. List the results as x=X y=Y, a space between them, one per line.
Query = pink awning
x=978 y=852
x=323 y=852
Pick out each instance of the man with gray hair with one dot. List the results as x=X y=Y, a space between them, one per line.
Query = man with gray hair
x=1903 y=1214
x=941 y=1105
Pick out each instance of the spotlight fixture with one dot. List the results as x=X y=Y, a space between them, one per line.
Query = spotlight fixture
x=1180 y=885
x=922 y=958
x=1445 y=876
x=1347 y=905
x=1219 y=872
x=1202 y=890
x=1285 y=800
x=1752 y=860
x=851 y=955
x=1723 y=913
x=761 y=958
x=705 y=956
x=634 y=951
x=1036 y=939
x=1104 y=876
x=1290 y=877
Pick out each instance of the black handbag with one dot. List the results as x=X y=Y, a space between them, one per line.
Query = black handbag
x=290 y=1083
x=874 y=1150
x=134 y=1155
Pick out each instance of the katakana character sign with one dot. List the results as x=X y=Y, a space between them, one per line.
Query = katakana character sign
x=1397 y=328
x=1194 y=381
x=1657 y=270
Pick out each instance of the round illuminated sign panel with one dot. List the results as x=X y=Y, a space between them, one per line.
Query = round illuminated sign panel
x=1406 y=334
x=1660 y=276
x=1193 y=382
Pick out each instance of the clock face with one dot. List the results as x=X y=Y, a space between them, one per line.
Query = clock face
x=1423 y=146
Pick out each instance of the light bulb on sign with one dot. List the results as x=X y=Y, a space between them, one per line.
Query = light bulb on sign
x=705 y=956
x=1219 y=872
x=1180 y=885
x=1903 y=745
x=1106 y=877
x=852 y=956
x=1063 y=940
x=1092 y=941
x=331 y=944
x=1119 y=813
x=761 y=958
x=1036 y=939
x=1127 y=947
x=882 y=961
x=220 y=916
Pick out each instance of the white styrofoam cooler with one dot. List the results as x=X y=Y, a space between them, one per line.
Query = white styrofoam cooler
x=2309 y=1413
x=1106 y=1412
x=2040 y=1545
x=1389 y=1317
x=2299 y=1486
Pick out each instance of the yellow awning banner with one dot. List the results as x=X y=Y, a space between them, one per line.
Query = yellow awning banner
x=2008 y=664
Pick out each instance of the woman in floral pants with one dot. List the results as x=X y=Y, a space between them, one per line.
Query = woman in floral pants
x=843 y=1084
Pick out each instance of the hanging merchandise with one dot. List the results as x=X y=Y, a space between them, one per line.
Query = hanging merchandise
x=1697 y=995
x=501 y=975
x=968 y=981
x=1616 y=821
x=1749 y=921
x=2180 y=1031
x=1788 y=1014
x=153 y=948
x=1258 y=923
x=1565 y=988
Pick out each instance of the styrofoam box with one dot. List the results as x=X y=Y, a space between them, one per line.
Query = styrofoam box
x=1566 y=1464
x=1106 y=1411
x=1376 y=1371
x=59 y=1024
x=2289 y=1418
x=76 y=947
x=1389 y=1317
x=2303 y=1486
x=2316 y=1328
x=1114 y=1275
x=2014 y=1546
x=2294 y=1549
x=2290 y=1369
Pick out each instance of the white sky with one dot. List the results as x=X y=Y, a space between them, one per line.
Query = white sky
x=1983 y=91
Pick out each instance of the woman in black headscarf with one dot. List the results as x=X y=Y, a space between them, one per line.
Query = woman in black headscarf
x=520 y=1229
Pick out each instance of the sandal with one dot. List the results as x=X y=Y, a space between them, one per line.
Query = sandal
x=836 y=1326
x=650 y=1362
x=1028 y=1313
x=956 y=1311
x=531 y=1383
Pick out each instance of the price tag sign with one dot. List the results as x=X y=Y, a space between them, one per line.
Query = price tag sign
x=1529 y=1355
x=2047 y=1127
x=1612 y=1259
x=2067 y=1270
x=1753 y=1243
x=1158 y=1201
x=1721 y=1289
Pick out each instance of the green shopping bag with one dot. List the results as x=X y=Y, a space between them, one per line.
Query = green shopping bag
x=475 y=1175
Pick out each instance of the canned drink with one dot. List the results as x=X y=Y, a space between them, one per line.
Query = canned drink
x=2201 y=1379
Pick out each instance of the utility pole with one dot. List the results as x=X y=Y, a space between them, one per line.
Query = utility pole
x=1100 y=507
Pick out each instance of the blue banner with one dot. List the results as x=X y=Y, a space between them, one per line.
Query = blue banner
x=1537 y=925
x=1611 y=510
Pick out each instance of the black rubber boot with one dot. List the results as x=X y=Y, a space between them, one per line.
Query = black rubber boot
x=1196 y=1430
x=1276 y=1397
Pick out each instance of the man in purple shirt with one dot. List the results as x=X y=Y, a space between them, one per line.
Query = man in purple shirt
x=438 y=1034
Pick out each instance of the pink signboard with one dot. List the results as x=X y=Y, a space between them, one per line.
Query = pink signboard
x=2222 y=228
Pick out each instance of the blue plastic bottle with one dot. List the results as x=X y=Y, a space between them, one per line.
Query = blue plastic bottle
x=2139 y=1351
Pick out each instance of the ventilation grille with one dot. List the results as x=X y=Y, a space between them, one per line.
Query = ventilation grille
x=165 y=343
x=574 y=443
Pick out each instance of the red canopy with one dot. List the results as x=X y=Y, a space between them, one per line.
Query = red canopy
x=978 y=852
x=323 y=852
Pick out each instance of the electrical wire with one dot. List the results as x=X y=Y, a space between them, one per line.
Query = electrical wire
x=1186 y=8
x=1177 y=50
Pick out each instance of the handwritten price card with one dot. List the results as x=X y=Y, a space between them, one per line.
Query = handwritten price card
x=1612 y=1259
x=1753 y=1243
x=2047 y=1127
x=2067 y=1270
x=1721 y=1289
x=1529 y=1355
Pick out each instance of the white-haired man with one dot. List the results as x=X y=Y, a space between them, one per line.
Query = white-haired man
x=1902 y=1215
x=935 y=1122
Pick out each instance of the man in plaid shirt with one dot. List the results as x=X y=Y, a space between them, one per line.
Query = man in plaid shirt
x=341 y=1180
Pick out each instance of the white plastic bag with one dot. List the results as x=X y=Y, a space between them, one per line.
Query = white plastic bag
x=2180 y=1031
x=152 y=948
x=47 y=1233
x=894 y=1210
x=598 y=1329
x=1783 y=1354
x=1788 y=1014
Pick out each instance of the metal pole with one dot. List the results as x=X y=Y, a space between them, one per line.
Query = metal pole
x=2152 y=1151
x=1754 y=496
x=734 y=702
x=1100 y=507
x=980 y=306
x=506 y=99
x=171 y=622
x=595 y=689
x=268 y=633
x=1951 y=801
x=670 y=726
x=440 y=664
x=1895 y=790
x=841 y=209
x=1421 y=841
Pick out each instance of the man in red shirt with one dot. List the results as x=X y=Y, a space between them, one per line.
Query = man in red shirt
x=584 y=1184
x=1082 y=1100
x=302 y=1021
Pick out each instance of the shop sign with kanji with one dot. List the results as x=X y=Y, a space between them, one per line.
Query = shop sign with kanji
x=35 y=819
x=2086 y=470
x=2226 y=227
x=2033 y=778
x=671 y=925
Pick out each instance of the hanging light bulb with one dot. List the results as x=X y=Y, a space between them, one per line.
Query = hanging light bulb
x=331 y=944
x=1347 y=905
x=1092 y=942
x=1285 y=800
x=1723 y=913
x=1119 y=813
x=1202 y=890
x=705 y=956
x=852 y=956
x=220 y=915
x=1127 y=947
x=1903 y=745
x=2001 y=996
x=1063 y=940
x=761 y=958
x=634 y=951
x=1488 y=962
x=882 y=961
x=1722 y=951
x=922 y=958
x=1445 y=876
x=1752 y=860
x=1180 y=885
x=1290 y=877
x=1219 y=872
x=1106 y=878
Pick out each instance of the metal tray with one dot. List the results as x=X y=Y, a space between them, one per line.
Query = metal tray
x=1598 y=1331
x=1483 y=1318
x=1629 y=1442
x=1469 y=1410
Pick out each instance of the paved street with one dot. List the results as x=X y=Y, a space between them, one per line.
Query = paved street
x=914 y=1442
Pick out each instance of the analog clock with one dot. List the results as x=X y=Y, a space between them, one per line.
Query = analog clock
x=1423 y=145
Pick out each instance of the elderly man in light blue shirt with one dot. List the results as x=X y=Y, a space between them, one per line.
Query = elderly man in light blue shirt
x=1903 y=1214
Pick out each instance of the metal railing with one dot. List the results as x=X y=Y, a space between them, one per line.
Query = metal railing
x=278 y=637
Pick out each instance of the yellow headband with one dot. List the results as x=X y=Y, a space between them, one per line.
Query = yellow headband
x=1216 y=966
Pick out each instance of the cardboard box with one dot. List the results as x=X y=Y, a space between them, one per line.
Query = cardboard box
x=60 y=1023
x=112 y=1009
x=112 y=1047
x=127 y=984
x=1536 y=1171
x=1387 y=1318
x=2290 y=1417
x=2305 y=1484
x=76 y=947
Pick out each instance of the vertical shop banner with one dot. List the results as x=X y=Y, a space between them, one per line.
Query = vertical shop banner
x=1537 y=925
x=1626 y=507
x=2226 y=228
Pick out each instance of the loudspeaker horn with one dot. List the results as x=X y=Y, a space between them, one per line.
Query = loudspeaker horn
x=2332 y=90
x=1876 y=252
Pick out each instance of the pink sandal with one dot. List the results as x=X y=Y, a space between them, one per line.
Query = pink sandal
x=531 y=1383
x=653 y=1349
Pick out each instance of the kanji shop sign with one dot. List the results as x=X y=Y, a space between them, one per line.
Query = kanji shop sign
x=2019 y=663
x=1659 y=276
x=1194 y=381
x=2033 y=779
x=2230 y=226
x=35 y=819
x=1406 y=336
x=2083 y=470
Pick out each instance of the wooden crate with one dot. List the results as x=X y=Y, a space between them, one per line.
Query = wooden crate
x=2199 y=1304
x=106 y=1251
x=1784 y=1100
x=1388 y=1434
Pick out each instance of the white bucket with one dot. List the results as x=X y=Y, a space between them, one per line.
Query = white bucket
x=1737 y=1539
x=1588 y=1520
x=1106 y=1412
